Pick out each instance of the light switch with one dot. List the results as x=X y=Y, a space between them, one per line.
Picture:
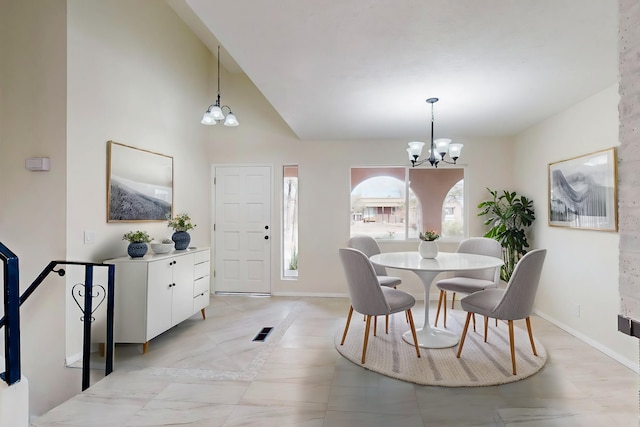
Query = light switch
x=89 y=237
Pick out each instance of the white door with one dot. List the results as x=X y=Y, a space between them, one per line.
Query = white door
x=242 y=232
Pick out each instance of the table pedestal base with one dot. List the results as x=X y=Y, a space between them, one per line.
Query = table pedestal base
x=432 y=338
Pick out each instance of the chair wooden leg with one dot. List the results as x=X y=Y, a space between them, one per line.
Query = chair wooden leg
x=366 y=338
x=464 y=334
x=386 y=324
x=533 y=346
x=375 y=325
x=474 y=321
x=346 y=327
x=486 y=327
x=496 y=322
x=439 y=305
x=444 y=311
x=453 y=301
x=413 y=331
x=512 y=347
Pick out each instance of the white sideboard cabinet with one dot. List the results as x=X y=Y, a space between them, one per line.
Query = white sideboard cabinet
x=156 y=292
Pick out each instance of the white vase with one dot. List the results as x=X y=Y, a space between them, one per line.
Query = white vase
x=428 y=249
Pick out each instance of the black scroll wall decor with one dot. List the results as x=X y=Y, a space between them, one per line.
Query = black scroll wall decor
x=98 y=293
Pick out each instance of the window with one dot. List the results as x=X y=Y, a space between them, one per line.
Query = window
x=397 y=203
x=453 y=212
x=290 y=221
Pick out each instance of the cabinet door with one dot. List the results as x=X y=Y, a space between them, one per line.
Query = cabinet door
x=182 y=306
x=159 y=297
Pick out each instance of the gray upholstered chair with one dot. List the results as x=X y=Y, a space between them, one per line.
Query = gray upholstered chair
x=468 y=282
x=513 y=303
x=371 y=299
x=369 y=247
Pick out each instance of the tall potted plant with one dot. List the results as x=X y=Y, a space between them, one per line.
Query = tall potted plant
x=508 y=216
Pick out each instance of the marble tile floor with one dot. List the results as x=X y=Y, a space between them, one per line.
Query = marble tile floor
x=210 y=373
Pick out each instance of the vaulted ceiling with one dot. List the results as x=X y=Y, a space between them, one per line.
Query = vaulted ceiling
x=362 y=69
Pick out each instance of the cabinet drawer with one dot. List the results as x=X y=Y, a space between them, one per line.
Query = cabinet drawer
x=201 y=285
x=201 y=270
x=202 y=256
x=201 y=301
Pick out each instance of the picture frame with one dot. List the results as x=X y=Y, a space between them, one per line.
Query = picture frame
x=583 y=192
x=139 y=184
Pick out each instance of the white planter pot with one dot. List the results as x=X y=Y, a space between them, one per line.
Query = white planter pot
x=428 y=249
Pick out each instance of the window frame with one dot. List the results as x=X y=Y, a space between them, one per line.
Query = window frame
x=407 y=169
x=283 y=269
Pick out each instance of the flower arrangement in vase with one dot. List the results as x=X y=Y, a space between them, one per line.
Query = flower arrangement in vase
x=181 y=223
x=428 y=247
x=137 y=243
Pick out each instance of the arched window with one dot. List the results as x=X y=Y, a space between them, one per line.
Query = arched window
x=378 y=208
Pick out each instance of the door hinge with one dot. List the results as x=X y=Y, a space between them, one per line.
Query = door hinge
x=214 y=180
x=214 y=227
x=214 y=273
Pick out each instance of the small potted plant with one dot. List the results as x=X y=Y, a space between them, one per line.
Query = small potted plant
x=181 y=223
x=428 y=247
x=137 y=243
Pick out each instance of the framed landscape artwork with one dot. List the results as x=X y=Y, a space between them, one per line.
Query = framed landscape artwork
x=139 y=184
x=583 y=193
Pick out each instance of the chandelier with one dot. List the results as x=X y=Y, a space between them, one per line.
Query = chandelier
x=215 y=113
x=438 y=149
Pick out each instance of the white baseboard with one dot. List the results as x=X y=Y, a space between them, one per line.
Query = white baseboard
x=70 y=360
x=334 y=295
x=310 y=294
x=631 y=364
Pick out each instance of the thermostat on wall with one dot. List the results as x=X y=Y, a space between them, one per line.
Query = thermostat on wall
x=37 y=164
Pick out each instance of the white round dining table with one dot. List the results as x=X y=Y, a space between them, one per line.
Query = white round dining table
x=427 y=269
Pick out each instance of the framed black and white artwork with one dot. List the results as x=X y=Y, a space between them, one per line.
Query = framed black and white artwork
x=583 y=192
x=139 y=184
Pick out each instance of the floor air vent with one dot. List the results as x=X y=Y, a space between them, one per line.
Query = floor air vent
x=262 y=335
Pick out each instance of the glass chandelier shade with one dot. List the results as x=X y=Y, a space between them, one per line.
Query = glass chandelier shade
x=215 y=113
x=438 y=149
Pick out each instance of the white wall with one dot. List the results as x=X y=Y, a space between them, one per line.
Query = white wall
x=581 y=267
x=138 y=76
x=32 y=217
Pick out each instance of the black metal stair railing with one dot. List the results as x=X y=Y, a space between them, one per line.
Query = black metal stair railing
x=13 y=301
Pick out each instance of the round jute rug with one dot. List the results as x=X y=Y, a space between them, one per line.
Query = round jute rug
x=481 y=364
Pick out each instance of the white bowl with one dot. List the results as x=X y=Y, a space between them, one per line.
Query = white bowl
x=161 y=248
